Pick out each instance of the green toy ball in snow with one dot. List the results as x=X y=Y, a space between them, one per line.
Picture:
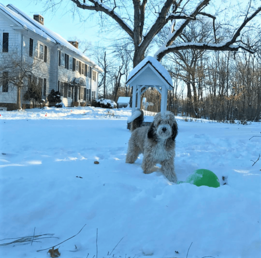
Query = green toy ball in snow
x=203 y=177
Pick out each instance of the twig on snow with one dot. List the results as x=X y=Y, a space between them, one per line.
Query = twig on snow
x=256 y=160
x=253 y=137
x=97 y=243
x=26 y=239
x=33 y=236
x=62 y=241
x=115 y=246
x=189 y=249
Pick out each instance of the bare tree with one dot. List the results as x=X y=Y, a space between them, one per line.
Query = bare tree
x=15 y=74
x=149 y=18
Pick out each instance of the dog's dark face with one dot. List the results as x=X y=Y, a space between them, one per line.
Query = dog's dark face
x=163 y=127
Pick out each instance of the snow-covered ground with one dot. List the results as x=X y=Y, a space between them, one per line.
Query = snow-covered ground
x=50 y=184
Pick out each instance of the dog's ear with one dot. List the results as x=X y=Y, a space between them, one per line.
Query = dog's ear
x=174 y=130
x=151 y=132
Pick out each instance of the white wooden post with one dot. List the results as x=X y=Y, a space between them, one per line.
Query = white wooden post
x=139 y=96
x=164 y=94
x=133 y=98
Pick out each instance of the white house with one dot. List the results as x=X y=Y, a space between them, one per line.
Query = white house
x=58 y=64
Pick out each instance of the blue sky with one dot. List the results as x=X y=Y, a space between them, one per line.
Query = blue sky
x=59 y=21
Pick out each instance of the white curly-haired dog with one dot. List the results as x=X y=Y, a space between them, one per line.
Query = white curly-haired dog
x=157 y=143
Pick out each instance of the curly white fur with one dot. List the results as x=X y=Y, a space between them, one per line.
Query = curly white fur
x=157 y=143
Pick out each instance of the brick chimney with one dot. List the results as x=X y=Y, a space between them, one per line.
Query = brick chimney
x=74 y=43
x=39 y=18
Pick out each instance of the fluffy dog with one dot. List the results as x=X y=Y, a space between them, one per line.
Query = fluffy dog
x=157 y=143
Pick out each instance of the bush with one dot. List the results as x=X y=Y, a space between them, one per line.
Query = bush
x=54 y=97
x=104 y=103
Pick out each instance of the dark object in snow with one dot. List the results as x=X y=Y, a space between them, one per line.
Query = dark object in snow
x=136 y=120
x=54 y=252
x=78 y=176
x=54 y=98
x=96 y=162
x=224 y=180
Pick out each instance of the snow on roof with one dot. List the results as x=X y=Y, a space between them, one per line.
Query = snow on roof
x=24 y=23
x=123 y=100
x=156 y=64
x=33 y=25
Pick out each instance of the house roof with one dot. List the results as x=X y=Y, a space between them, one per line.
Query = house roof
x=158 y=67
x=29 y=23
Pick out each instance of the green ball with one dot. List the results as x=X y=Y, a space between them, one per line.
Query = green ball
x=203 y=177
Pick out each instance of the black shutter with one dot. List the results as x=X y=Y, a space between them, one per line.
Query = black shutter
x=5 y=42
x=74 y=64
x=45 y=53
x=44 y=93
x=31 y=47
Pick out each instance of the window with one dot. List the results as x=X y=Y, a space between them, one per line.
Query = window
x=31 y=47
x=86 y=70
x=63 y=59
x=65 y=90
x=81 y=92
x=84 y=94
x=36 y=51
x=61 y=89
x=69 y=92
x=94 y=76
x=80 y=67
x=89 y=72
x=40 y=84
x=83 y=68
x=44 y=88
x=77 y=65
x=41 y=51
x=5 y=82
x=66 y=61
x=71 y=63
x=93 y=94
x=5 y=42
x=88 y=94
x=45 y=53
x=74 y=64
x=59 y=57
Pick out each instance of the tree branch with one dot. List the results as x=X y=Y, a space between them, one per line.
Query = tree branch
x=226 y=46
x=110 y=12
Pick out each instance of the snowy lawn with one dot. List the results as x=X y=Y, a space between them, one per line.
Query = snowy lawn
x=50 y=184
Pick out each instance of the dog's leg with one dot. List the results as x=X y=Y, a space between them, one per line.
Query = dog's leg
x=167 y=168
x=132 y=153
x=148 y=163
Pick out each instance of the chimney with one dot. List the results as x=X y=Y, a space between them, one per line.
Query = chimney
x=39 y=18
x=74 y=43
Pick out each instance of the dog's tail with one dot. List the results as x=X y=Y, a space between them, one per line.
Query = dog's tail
x=136 y=120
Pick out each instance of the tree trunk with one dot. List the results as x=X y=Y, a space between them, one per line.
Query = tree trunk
x=19 y=105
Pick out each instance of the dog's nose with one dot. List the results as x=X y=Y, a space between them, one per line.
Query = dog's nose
x=164 y=129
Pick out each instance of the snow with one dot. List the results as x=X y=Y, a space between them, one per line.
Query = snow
x=50 y=184
x=123 y=100
x=149 y=59
x=135 y=115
